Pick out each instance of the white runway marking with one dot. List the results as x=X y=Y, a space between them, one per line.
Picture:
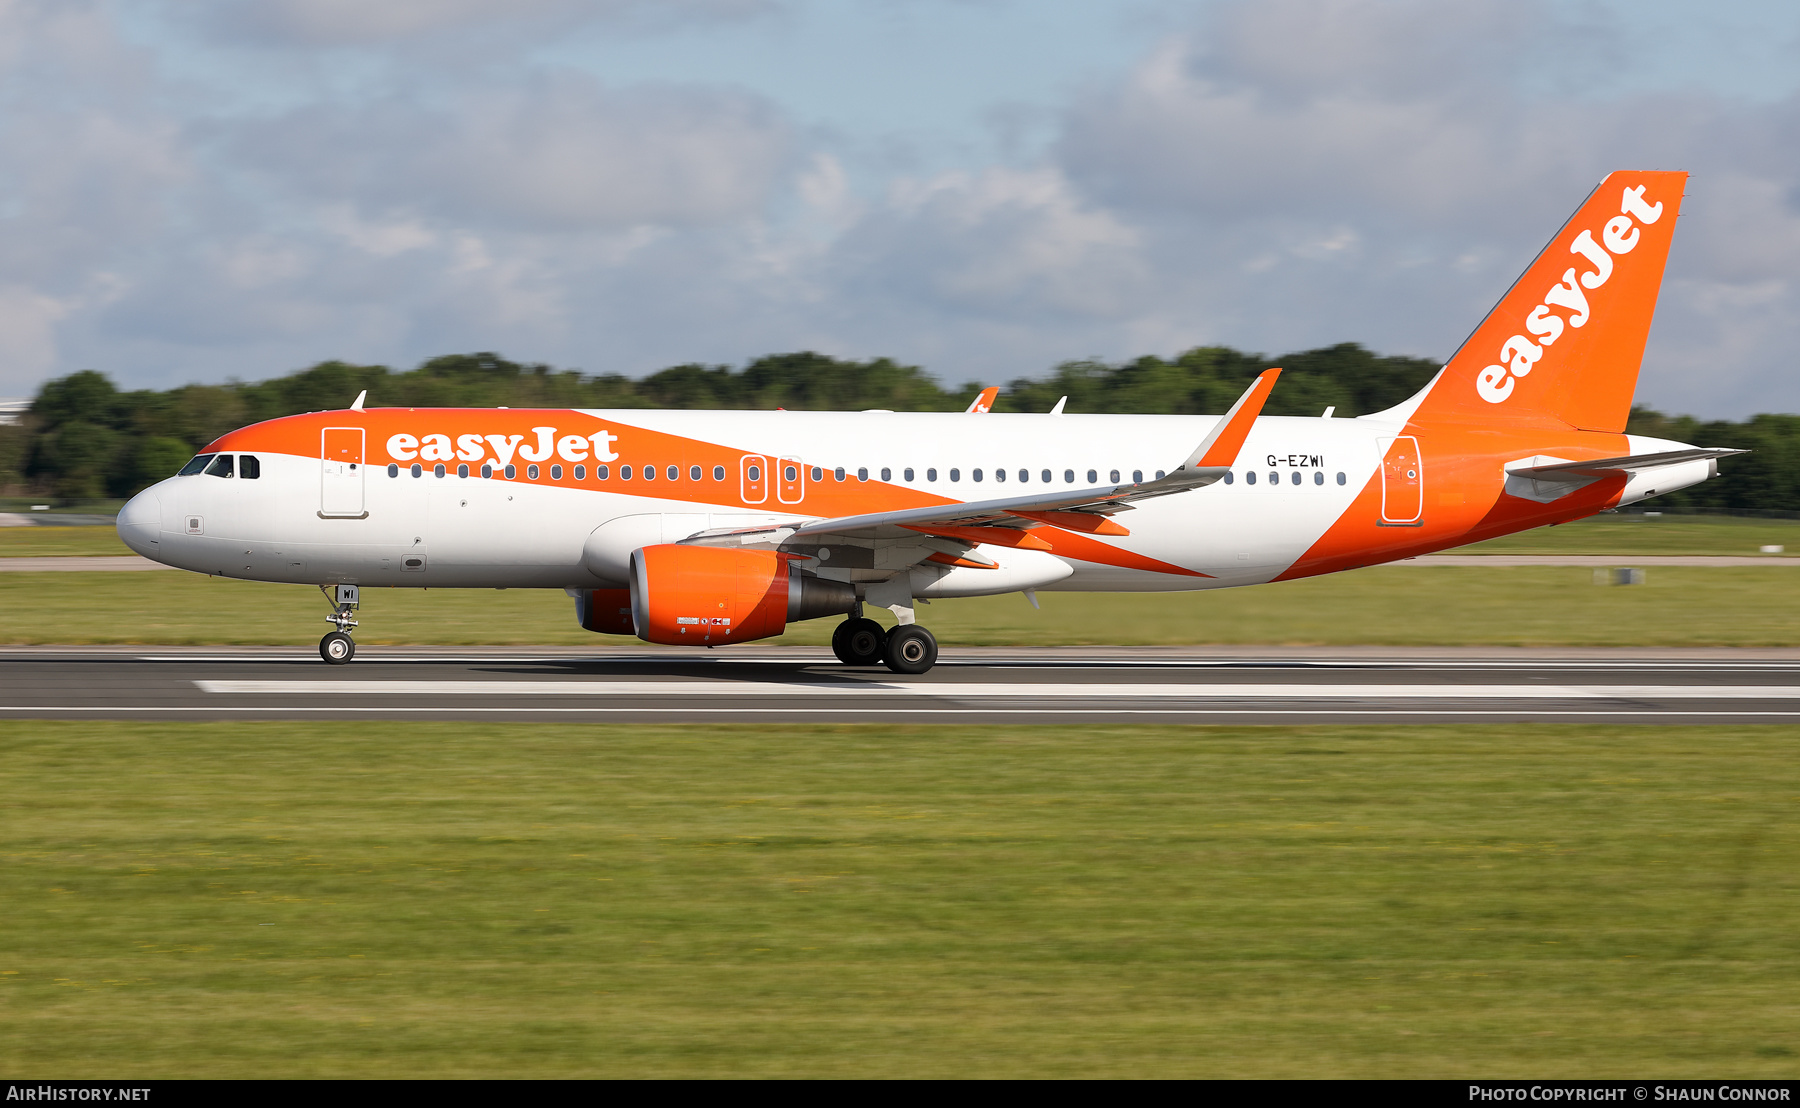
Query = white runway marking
x=987 y=691
x=1272 y=713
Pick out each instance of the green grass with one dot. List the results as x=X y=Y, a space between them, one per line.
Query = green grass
x=269 y=900
x=1395 y=605
x=60 y=542
x=1603 y=534
x=1626 y=534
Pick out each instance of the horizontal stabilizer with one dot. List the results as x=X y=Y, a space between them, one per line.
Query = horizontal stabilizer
x=1601 y=467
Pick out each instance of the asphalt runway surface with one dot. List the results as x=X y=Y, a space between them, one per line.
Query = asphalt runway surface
x=970 y=685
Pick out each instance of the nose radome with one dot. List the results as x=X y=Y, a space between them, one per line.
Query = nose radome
x=140 y=521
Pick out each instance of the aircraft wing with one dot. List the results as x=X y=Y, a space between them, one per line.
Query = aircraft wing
x=1574 y=471
x=1075 y=509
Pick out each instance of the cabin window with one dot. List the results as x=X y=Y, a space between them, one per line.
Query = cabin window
x=1045 y=477
x=393 y=470
x=649 y=473
x=789 y=473
x=1318 y=477
x=511 y=472
x=1137 y=476
x=1228 y=478
x=1024 y=475
x=694 y=473
x=718 y=473
x=438 y=470
x=930 y=475
x=1340 y=478
x=1068 y=477
x=221 y=467
x=555 y=473
x=462 y=470
x=1113 y=476
x=531 y=473
x=419 y=470
x=1159 y=475
x=580 y=473
x=977 y=475
x=754 y=473
x=601 y=473
x=817 y=474
x=673 y=473
x=838 y=473
x=1274 y=478
x=1249 y=477
x=1093 y=477
x=249 y=467
x=955 y=474
x=197 y=465
x=1000 y=474
x=487 y=470
x=862 y=474
x=1296 y=478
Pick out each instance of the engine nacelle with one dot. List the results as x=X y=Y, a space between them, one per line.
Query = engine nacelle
x=708 y=595
x=607 y=611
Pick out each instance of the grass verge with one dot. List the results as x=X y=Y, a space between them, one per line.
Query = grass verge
x=514 y=900
x=1393 y=605
x=1621 y=534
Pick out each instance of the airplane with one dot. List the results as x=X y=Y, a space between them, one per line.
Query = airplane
x=706 y=528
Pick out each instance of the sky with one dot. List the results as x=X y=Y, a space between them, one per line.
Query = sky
x=197 y=190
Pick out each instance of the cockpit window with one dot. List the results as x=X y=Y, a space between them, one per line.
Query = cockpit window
x=249 y=467
x=195 y=466
x=221 y=466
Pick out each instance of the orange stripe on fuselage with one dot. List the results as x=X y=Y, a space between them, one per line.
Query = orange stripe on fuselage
x=637 y=447
x=1464 y=470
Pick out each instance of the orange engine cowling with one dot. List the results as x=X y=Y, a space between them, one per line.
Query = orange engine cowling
x=708 y=595
x=607 y=611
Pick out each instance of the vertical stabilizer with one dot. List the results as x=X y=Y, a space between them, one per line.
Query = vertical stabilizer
x=1567 y=339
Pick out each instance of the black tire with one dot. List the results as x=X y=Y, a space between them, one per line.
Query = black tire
x=337 y=648
x=858 y=642
x=910 y=649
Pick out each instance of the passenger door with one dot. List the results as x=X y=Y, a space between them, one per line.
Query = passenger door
x=341 y=466
x=1402 y=483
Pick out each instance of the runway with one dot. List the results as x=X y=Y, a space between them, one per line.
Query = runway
x=1081 y=686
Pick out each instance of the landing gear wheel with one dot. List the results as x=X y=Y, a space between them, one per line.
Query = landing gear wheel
x=337 y=648
x=910 y=649
x=858 y=642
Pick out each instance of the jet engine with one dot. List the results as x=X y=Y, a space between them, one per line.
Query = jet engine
x=709 y=595
x=607 y=611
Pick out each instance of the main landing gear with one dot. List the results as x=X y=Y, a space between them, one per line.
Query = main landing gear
x=337 y=647
x=908 y=648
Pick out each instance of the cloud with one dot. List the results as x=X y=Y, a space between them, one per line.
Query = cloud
x=1001 y=242
x=1275 y=175
x=1316 y=170
x=554 y=153
x=311 y=24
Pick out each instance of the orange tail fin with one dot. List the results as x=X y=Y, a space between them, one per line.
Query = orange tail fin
x=1568 y=337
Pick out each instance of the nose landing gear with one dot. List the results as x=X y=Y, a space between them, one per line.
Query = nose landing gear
x=337 y=647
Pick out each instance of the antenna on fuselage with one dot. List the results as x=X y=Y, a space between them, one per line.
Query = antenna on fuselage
x=357 y=404
x=1058 y=409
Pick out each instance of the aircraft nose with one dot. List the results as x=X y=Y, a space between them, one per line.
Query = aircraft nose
x=140 y=522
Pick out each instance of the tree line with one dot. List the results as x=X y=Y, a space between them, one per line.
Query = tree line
x=84 y=438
